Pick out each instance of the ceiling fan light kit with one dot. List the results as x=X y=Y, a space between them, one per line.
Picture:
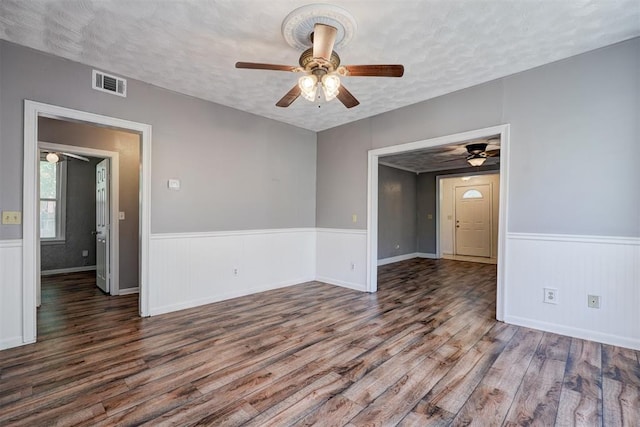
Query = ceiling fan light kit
x=323 y=27
x=476 y=160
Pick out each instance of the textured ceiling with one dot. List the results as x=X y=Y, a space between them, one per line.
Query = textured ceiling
x=191 y=46
x=447 y=157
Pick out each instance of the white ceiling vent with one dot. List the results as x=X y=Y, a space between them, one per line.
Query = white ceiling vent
x=108 y=83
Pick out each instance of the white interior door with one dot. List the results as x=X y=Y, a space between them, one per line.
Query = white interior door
x=473 y=220
x=102 y=225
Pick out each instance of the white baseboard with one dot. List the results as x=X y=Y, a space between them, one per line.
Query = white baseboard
x=11 y=342
x=341 y=283
x=127 y=291
x=221 y=297
x=405 y=257
x=574 y=332
x=391 y=260
x=68 y=270
x=427 y=255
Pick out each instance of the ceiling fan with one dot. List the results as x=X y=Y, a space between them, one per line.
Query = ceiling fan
x=321 y=67
x=478 y=153
x=57 y=156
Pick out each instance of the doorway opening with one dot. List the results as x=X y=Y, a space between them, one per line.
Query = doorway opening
x=501 y=131
x=94 y=235
x=33 y=111
x=459 y=196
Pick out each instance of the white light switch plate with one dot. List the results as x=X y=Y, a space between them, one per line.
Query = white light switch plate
x=120 y=216
x=174 y=184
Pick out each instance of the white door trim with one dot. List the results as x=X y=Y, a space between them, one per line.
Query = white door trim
x=114 y=189
x=32 y=110
x=372 y=199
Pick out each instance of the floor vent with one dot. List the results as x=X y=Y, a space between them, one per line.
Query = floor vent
x=110 y=84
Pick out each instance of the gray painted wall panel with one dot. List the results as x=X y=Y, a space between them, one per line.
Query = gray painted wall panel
x=426 y=205
x=238 y=170
x=342 y=176
x=574 y=144
x=396 y=212
x=473 y=108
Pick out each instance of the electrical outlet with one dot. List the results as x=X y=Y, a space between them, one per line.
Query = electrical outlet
x=593 y=301
x=550 y=295
x=85 y=253
x=354 y=218
x=12 y=217
x=353 y=266
x=235 y=271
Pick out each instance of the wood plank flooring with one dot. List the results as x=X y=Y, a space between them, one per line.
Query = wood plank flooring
x=423 y=351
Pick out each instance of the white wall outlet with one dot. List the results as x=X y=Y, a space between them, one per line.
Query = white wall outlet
x=593 y=301
x=121 y=216
x=397 y=246
x=353 y=266
x=550 y=295
x=85 y=253
x=235 y=271
x=354 y=218
x=12 y=217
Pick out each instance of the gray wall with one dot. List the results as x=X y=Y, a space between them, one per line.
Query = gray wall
x=238 y=170
x=128 y=146
x=396 y=212
x=80 y=220
x=574 y=144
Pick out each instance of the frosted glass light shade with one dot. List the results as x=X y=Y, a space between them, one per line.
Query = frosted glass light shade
x=330 y=86
x=476 y=161
x=52 y=158
x=308 y=86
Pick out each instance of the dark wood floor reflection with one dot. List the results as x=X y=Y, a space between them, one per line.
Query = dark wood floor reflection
x=425 y=350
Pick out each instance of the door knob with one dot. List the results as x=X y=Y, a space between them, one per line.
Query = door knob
x=94 y=232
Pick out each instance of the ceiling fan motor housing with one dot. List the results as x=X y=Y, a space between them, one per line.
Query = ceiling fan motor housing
x=309 y=63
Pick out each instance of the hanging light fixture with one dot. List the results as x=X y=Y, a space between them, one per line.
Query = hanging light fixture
x=52 y=158
x=308 y=86
x=476 y=160
x=330 y=86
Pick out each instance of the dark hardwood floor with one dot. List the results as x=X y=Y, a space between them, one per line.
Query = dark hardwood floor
x=424 y=350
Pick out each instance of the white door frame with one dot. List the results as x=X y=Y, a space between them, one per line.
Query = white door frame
x=30 y=229
x=372 y=198
x=439 y=179
x=114 y=206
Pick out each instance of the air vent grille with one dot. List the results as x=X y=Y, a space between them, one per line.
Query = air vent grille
x=111 y=84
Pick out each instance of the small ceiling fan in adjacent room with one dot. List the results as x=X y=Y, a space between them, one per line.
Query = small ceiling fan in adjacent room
x=57 y=156
x=321 y=67
x=478 y=153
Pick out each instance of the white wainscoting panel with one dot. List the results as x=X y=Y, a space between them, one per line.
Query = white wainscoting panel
x=192 y=269
x=342 y=257
x=576 y=266
x=10 y=293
